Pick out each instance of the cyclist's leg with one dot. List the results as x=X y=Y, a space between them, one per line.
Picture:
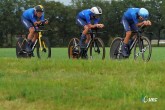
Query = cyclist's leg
x=34 y=38
x=83 y=37
x=88 y=37
x=82 y=23
x=28 y=25
x=33 y=42
x=133 y=28
x=125 y=46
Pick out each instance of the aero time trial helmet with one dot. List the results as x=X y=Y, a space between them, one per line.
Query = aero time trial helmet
x=143 y=13
x=96 y=10
x=39 y=8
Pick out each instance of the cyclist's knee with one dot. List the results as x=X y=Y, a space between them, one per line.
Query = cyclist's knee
x=31 y=30
x=35 y=34
x=128 y=33
x=86 y=27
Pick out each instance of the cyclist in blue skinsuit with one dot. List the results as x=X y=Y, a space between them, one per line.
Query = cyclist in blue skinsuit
x=30 y=19
x=84 y=19
x=131 y=23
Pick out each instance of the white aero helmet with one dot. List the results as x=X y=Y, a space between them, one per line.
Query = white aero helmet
x=143 y=13
x=96 y=10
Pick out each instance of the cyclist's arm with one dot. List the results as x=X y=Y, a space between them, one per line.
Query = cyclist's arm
x=42 y=17
x=43 y=20
x=91 y=26
x=139 y=24
x=97 y=24
x=146 y=23
x=135 y=20
x=89 y=22
x=32 y=18
x=96 y=21
x=37 y=23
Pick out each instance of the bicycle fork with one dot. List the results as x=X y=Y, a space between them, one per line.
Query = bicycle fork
x=141 y=48
x=96 y=47
x=40 y=42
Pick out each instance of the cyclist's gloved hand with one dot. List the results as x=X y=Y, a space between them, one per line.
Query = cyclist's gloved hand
x=37 y=23
x=99 y=25
x=41 y=23
x=45 y=21
x=147 y=23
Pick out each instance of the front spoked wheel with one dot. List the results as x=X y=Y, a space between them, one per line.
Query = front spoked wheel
x=74 y=48
x=143 y=49
x=43 y=48
x=115 y=49
x=97 y=49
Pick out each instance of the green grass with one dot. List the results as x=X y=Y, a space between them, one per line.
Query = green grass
x=62 y=84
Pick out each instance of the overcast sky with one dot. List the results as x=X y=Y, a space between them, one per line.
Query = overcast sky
x=66 y=2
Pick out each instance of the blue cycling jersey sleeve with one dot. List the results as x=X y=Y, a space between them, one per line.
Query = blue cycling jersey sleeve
x=96 y=21
x=132 y=15
x=86 y=15
x=33 y=18
x=29 y=15
x=42 y=17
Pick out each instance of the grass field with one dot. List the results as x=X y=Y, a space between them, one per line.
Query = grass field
x=62 y=84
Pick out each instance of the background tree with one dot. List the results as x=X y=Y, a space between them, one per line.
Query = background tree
x=62 y=18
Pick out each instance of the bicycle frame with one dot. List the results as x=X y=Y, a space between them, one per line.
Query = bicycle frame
x=93 y=43
x=133 y=44
x=96 y=48
x=136 y=39
x=91 y=39
x=41 y=44
x=141 y=44
x=20 y=45
x=39 y=39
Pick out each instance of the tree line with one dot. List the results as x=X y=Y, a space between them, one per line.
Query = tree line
x=62 y=19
